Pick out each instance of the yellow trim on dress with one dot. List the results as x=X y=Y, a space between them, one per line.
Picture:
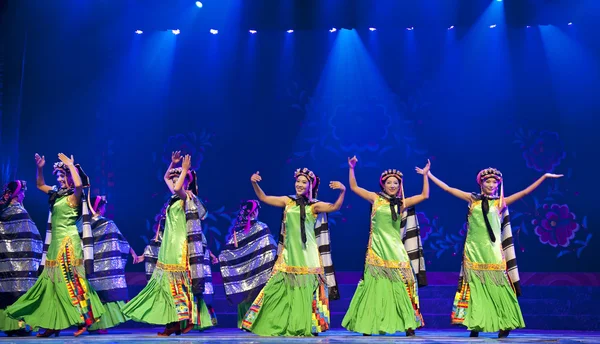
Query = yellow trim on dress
x=375 y=260
x=52 y=263
x=181 y=267
x=484 y=266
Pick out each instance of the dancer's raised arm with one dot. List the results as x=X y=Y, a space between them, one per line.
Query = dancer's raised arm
x=276 y=201
x=324 y=207
x=175 y=159
x=414 y=200
x=453 y=191
x=40 y=161
x=363 y=193
x=77 y=183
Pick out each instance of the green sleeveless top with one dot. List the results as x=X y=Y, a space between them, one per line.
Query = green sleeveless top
x=296 y=257
x=64 y=229
x=479 y=248
x=172 y=255
x=385 y=242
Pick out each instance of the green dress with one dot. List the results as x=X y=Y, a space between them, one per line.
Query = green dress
x=294 y=302
x=168 y=296
x=61 y=297
x=386 y=299
x=485 y=300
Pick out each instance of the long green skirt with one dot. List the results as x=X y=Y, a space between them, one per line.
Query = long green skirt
x=7 y=323
x=381 y=305
x=490 y=307
x=48 y=303
x=112 y=317
x=157 y=304
x=290 y=305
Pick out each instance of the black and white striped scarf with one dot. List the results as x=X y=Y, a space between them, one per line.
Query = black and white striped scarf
x=151 y=256
x=411 y=238
x=246 y=268
x=20 y=253
x=199 y=263
x=111 y=251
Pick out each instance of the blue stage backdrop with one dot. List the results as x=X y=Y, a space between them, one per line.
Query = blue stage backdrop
x=520 y=99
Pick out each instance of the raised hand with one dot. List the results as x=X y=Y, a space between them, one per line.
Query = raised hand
x=40 y=161
x=337 y=186
x=256 y=177
x=552 y=175
x=66 y=159
x=352 y=161
x=175 y=157
x=187 y=162
x=425 y=169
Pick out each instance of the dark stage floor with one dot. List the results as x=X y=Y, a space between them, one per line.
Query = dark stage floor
x=132 y=336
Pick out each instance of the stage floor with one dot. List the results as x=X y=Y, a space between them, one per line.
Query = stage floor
x=221 y=336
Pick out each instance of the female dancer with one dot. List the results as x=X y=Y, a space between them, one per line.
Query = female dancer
x=20 y=253
x=111 y=251
x=486 y=299
x=248 y=258
x=295 y=300
x=174 y=293
x=62 y=297
x=386 y=299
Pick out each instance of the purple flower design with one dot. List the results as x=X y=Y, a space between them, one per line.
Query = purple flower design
x=189 y=143
x=542 y=151
x=555 y=225
x=424 y=225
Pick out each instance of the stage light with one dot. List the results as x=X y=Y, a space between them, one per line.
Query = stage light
x=176 y=32
x=492 y=26
x=198 y=4
x=214 y=32
x=139 y=32
x=290 y=31
x=372 y=29
x=528 y=26
x=252 y=31
x=410 y=28
x=333 y=30
x=451 y=27
x=570 y=24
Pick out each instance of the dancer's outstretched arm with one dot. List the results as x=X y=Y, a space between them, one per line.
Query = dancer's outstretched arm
x=324 y=207
x=77 y=183
x=175 y=159
x=453 y=191
x=276 y=201
x=178 y=187
x=40 y=161
x=414 y=200
x=517 y=196
x=363 y=193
